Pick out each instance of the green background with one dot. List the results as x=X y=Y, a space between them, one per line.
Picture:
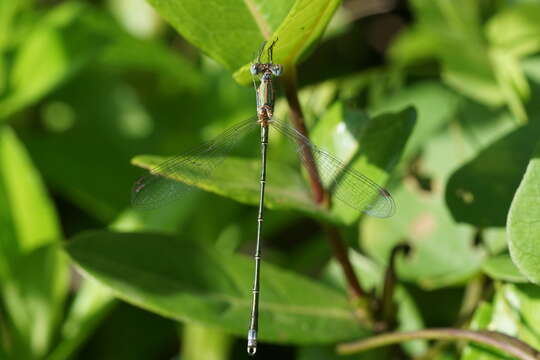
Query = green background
x=437 y=100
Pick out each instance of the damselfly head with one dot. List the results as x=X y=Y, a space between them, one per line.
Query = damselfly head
x=261 y=67
x=266 y=69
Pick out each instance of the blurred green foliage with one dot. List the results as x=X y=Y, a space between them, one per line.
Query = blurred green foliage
x=438 y=99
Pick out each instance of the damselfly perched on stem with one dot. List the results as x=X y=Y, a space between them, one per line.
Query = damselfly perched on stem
x=162 y=184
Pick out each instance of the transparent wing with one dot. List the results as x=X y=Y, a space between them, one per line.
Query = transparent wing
x=162 y=184
x=346 y=184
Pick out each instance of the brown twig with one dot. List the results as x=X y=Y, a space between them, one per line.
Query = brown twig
x=340 y=253
x=387 y=307
x=318 y=192
x=297 y=119
x=493 y=339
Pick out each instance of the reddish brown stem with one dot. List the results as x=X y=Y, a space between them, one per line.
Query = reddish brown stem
x=340 y=253
x=388 y=310
x=297 y=119
x=318 y=192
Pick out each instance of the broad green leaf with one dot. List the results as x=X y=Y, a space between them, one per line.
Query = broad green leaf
x=192 y=282
x=33 y=273
x=298 y=34
x=514 y=312
x=469 y=194
x=59 y=45
x=231 y=32
x=523 y=226
x=500 y=267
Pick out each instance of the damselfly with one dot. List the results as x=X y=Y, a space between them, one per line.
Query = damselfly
x=344 y=183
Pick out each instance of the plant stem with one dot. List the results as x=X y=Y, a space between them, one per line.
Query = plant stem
x=340 y=253
x=388 y=310
x=320 y=196
x=297 y=119
x=493 y=339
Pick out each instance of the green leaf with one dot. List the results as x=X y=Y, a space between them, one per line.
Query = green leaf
x=191 y=282
x=59 y=45
x=33 y=273
x=500 y=267
x=298 y=34
x=21 y=190
x=230 y=32
x=523 y=226
x=469 y=194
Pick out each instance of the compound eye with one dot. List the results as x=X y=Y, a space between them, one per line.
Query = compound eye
x=276 y=70
x=254 y=69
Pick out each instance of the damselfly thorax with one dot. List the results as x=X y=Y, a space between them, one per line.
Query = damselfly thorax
x=265 y=93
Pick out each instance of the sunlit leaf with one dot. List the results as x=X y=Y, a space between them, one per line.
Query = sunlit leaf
x=231 y=32
x=298 y=34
